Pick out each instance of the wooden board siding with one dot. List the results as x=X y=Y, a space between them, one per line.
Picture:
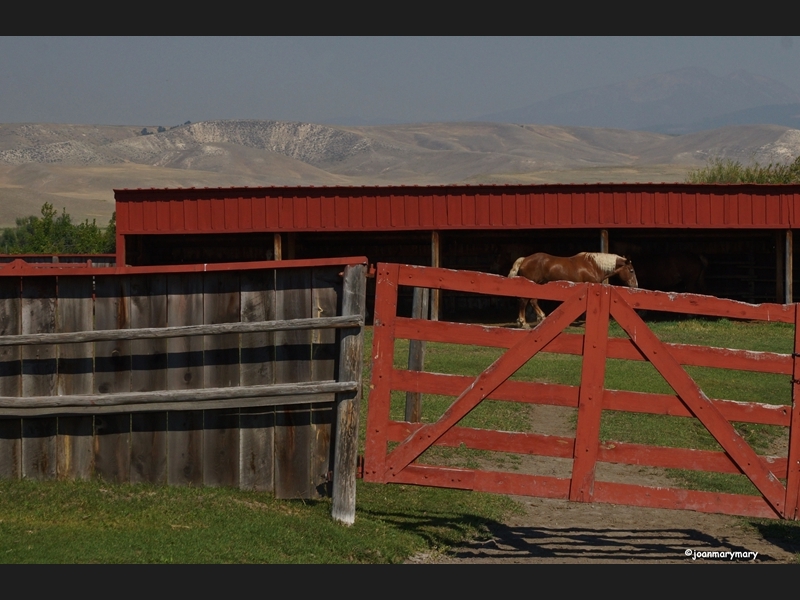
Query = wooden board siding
x=75 y=376
x=39 y=377
x=257 y=425
x=148 y=372
x=293 y=429
x=10 y=377
x=185 y=371
x=112 y=375
x=226 y=442
x=221 y=361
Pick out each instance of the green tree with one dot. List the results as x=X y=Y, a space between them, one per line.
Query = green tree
x=718 y=170
x=57 y=234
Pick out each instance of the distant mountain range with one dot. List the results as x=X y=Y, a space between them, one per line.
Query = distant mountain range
x=77 y=167
x=677 y=102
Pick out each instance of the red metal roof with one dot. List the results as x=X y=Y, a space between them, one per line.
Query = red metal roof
x=385 y=208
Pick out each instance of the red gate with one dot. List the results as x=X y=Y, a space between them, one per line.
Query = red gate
x=394 y=448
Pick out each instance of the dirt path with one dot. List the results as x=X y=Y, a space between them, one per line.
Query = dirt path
x=558 y=531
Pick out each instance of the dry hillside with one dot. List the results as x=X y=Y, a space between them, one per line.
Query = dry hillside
x=77 y=167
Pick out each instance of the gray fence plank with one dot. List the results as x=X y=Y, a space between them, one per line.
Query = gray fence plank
x=75 y=312
x=185 y=372
x=257 y=425
x=149 y=372
x=221 y=360
x=11 y=448
x=325 y=302
x=293 y=432
x=39 y=450
x=112 y=374
x=10 y=378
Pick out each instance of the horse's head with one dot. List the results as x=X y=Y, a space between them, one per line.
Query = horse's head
x=625 y=271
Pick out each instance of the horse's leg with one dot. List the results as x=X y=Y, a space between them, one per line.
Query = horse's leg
x=539 y=312
x=521 y=321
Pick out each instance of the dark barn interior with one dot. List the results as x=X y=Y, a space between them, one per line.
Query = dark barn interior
x=739 y=265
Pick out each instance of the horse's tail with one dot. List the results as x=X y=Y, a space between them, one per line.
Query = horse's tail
x=515 y=269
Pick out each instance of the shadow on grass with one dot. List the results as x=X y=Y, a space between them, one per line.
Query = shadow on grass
x=783 y=534
x=437 y=529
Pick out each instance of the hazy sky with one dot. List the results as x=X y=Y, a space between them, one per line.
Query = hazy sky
x=169 y=80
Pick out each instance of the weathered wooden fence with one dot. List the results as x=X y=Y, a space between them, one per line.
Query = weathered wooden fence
x=225 y=374
x=397 y=447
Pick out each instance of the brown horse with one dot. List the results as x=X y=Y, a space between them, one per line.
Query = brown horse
x=584 y=267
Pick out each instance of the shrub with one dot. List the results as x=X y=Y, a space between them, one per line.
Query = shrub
x=52 y=234
x=728 y=171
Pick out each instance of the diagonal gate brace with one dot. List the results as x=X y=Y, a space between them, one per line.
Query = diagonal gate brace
x=698 y=403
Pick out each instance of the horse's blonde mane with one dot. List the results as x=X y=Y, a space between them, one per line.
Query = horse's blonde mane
x=607 y=262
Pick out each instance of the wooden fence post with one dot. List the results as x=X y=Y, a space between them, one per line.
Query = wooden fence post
x=436 y=261
x=347 y=404
x=416 y=355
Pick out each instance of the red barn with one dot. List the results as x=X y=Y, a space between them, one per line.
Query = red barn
x=730 y=240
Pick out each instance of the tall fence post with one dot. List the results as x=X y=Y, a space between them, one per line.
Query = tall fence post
x=416 y=355
x=347 y=404
x=788 y=286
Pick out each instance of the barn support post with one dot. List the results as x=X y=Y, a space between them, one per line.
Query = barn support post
x=436 y=261
x=416 y=355
x=345 y=459
x=288 y=251
x=604 y=240
x=788 y=267
x=780 y=267
x=277 y=247
x=120 y=241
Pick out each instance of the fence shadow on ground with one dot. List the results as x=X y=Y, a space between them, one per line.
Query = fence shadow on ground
x=584 y=544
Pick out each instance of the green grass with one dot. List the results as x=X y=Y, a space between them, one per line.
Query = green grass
x=92 y=522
